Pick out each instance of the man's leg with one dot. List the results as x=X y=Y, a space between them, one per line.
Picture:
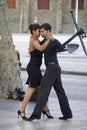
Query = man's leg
x=63 y=100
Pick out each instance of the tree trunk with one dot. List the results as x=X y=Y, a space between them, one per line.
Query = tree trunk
x=9 y=65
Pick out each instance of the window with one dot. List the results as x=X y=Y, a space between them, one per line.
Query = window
x=11 y=3
x=43 y=4
x=80 y=4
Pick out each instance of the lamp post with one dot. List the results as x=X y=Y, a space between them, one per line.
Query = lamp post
x=21 y=17
x=76 y=12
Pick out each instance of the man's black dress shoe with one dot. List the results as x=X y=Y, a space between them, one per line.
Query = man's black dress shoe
x=65 y=117
x=32 y=118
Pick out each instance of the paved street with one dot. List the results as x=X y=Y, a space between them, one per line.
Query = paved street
x=21 y=42
x=68 y=62
x=74 y=85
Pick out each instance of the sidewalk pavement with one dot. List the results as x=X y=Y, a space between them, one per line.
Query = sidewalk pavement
x=10 y=121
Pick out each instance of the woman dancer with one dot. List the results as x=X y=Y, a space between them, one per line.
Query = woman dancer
x=33 y=68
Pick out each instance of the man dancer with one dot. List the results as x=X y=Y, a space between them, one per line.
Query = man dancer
x=52 y=77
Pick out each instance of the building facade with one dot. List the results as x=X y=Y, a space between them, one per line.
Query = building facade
x=56 y=12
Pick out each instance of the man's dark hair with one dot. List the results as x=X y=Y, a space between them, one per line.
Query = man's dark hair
x=33 y=27
x=46 y=26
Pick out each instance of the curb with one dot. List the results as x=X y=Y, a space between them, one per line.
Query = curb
x=74 y=73
x=63 y=72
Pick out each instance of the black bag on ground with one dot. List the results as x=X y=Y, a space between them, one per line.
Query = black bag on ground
x=21 y=94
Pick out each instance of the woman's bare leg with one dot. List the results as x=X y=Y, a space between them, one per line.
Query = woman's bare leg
x=27 y=97
x=46 y=109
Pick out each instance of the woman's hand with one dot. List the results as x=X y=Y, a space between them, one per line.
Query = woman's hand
x=50 y=36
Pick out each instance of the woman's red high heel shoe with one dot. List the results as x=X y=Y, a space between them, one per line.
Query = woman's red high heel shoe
x=46 y=113
x=20 y=114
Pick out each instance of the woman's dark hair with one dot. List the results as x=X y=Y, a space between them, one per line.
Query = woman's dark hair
x=33 y=27
x=46 y=26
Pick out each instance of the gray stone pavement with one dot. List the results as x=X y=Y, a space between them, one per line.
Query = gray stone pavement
x=10 y=121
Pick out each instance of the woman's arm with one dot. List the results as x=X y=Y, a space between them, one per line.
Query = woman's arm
x=39 y=47
x=42 y=47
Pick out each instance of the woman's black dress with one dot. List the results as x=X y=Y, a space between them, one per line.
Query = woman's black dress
x=33 y=68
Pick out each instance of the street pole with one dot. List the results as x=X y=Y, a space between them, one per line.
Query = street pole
x=21 y=18
x=76 y=12
x=77 y=28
